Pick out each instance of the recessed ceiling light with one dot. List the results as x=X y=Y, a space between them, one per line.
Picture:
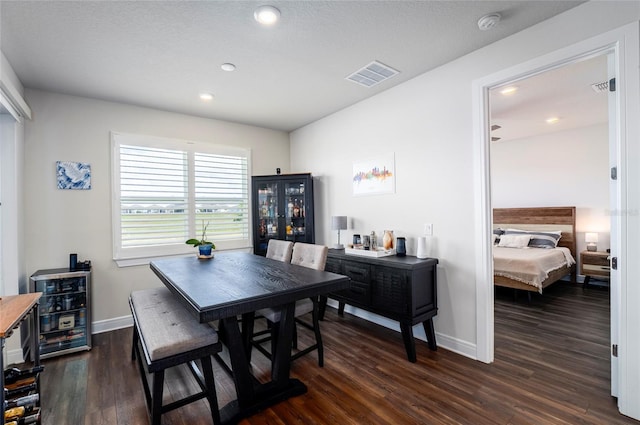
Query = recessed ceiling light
x=552 y=120
x=206 y=96
x=228 y=67
x=509 y=90
x=488 y=21
x=266 y=15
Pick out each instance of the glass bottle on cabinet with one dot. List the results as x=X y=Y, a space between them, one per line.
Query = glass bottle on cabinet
x=65 y=311
x=282 y=209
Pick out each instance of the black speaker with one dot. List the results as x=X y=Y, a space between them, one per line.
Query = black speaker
x=73 y=262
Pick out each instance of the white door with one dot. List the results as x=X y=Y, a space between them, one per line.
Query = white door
x=615 y=207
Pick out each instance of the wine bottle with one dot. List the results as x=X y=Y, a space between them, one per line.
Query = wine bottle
x=33 y=418
x=14 y=374
x=12 y=393
x=20 y=383
x=14 y=413
x=22 y=401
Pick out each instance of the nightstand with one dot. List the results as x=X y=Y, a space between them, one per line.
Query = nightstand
x=594 y=264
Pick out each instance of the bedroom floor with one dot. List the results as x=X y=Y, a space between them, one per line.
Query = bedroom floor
x=559 y=345
x=551 y=367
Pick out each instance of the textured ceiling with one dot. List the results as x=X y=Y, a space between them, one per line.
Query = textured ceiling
x=161 y=54
x=563 y=92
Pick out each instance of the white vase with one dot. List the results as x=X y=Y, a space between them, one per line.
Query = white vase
x=421 y=251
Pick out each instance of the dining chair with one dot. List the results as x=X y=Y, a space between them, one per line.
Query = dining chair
x=314 y=257
x=280 y=250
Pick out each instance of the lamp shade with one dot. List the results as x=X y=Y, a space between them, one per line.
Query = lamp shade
x=591 y=237
x=339 y=222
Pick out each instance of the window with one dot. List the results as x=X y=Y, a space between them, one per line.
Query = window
x=165 y=191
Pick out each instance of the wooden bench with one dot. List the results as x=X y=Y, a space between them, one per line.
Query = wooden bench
x=165 y=335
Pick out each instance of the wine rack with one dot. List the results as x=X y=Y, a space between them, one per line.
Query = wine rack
x=65 y=312
x=20 y=395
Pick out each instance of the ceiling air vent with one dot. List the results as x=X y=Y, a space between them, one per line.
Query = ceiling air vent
x=372 y=74
x=600 y=87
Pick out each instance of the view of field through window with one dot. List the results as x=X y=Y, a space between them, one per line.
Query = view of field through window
x=167 y=196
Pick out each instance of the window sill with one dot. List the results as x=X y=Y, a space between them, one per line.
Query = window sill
x=142 y=261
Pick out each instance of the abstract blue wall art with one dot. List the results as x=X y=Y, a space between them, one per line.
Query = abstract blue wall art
x=73 y=175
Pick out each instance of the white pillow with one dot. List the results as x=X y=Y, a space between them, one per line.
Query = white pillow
x=539 y=238
x=514 y=241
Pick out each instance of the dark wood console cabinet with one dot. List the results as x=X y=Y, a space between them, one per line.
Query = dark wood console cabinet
x=399 y=288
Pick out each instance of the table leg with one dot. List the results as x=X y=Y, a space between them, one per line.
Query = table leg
x=281 y=359
x=241 y=375
x=247 y=333
x=252 y=395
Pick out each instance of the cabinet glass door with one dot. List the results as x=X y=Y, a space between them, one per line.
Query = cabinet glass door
x=268 y=214
x=63 y=313
x=295 y=212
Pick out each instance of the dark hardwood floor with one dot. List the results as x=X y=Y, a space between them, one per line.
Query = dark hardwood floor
x=551 y=367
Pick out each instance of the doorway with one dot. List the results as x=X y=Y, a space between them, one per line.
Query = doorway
x=552 y=145
x=623 y=44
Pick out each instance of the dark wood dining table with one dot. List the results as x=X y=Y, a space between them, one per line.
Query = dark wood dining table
x=237 y=284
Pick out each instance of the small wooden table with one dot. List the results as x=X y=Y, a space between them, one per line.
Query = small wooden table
x=13 y=310
x=239 y=284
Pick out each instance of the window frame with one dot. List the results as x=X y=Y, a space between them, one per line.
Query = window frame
x=130 y=256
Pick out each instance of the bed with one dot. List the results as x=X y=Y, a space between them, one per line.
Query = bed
x=512 y=269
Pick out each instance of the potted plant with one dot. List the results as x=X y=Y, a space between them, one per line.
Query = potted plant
x=204 y=246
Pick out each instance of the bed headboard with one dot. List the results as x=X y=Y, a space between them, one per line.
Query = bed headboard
x=541 y=218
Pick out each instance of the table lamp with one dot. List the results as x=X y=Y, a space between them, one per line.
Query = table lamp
x=338 y=222
x=591 y=239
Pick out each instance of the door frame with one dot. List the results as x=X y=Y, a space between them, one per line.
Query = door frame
x=624 y=44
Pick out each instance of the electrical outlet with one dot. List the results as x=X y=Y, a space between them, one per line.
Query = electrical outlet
x=428 y=229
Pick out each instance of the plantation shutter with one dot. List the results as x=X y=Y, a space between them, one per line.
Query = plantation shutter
x=153 y=196
x=221 y=196
x=165 y=191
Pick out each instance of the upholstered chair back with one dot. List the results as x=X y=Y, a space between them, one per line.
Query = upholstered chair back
x=309 y=255
x=280 y=250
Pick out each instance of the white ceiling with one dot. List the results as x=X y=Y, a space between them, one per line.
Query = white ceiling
x=564 y=92
x=161 y=54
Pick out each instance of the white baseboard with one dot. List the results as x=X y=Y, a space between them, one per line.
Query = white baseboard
x=111 y=324
x=464 y=348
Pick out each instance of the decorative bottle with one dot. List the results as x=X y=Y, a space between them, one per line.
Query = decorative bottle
x=387 y=239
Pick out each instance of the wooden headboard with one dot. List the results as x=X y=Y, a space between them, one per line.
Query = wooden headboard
x=541 y=218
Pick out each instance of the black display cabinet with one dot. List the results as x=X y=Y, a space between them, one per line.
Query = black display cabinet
x=282 y=209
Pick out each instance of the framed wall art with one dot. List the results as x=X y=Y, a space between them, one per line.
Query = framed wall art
x=73 y=175
x=374 y=176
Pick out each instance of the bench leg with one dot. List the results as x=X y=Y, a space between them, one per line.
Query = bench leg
x=210 y=389
x=156 y=398
x=134 y=342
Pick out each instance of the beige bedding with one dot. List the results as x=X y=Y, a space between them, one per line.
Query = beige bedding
x=529 y=265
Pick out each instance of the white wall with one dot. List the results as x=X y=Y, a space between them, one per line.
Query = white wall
x=13 y=279
x=427 y=122
x=59 y=222
x=567 y=168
